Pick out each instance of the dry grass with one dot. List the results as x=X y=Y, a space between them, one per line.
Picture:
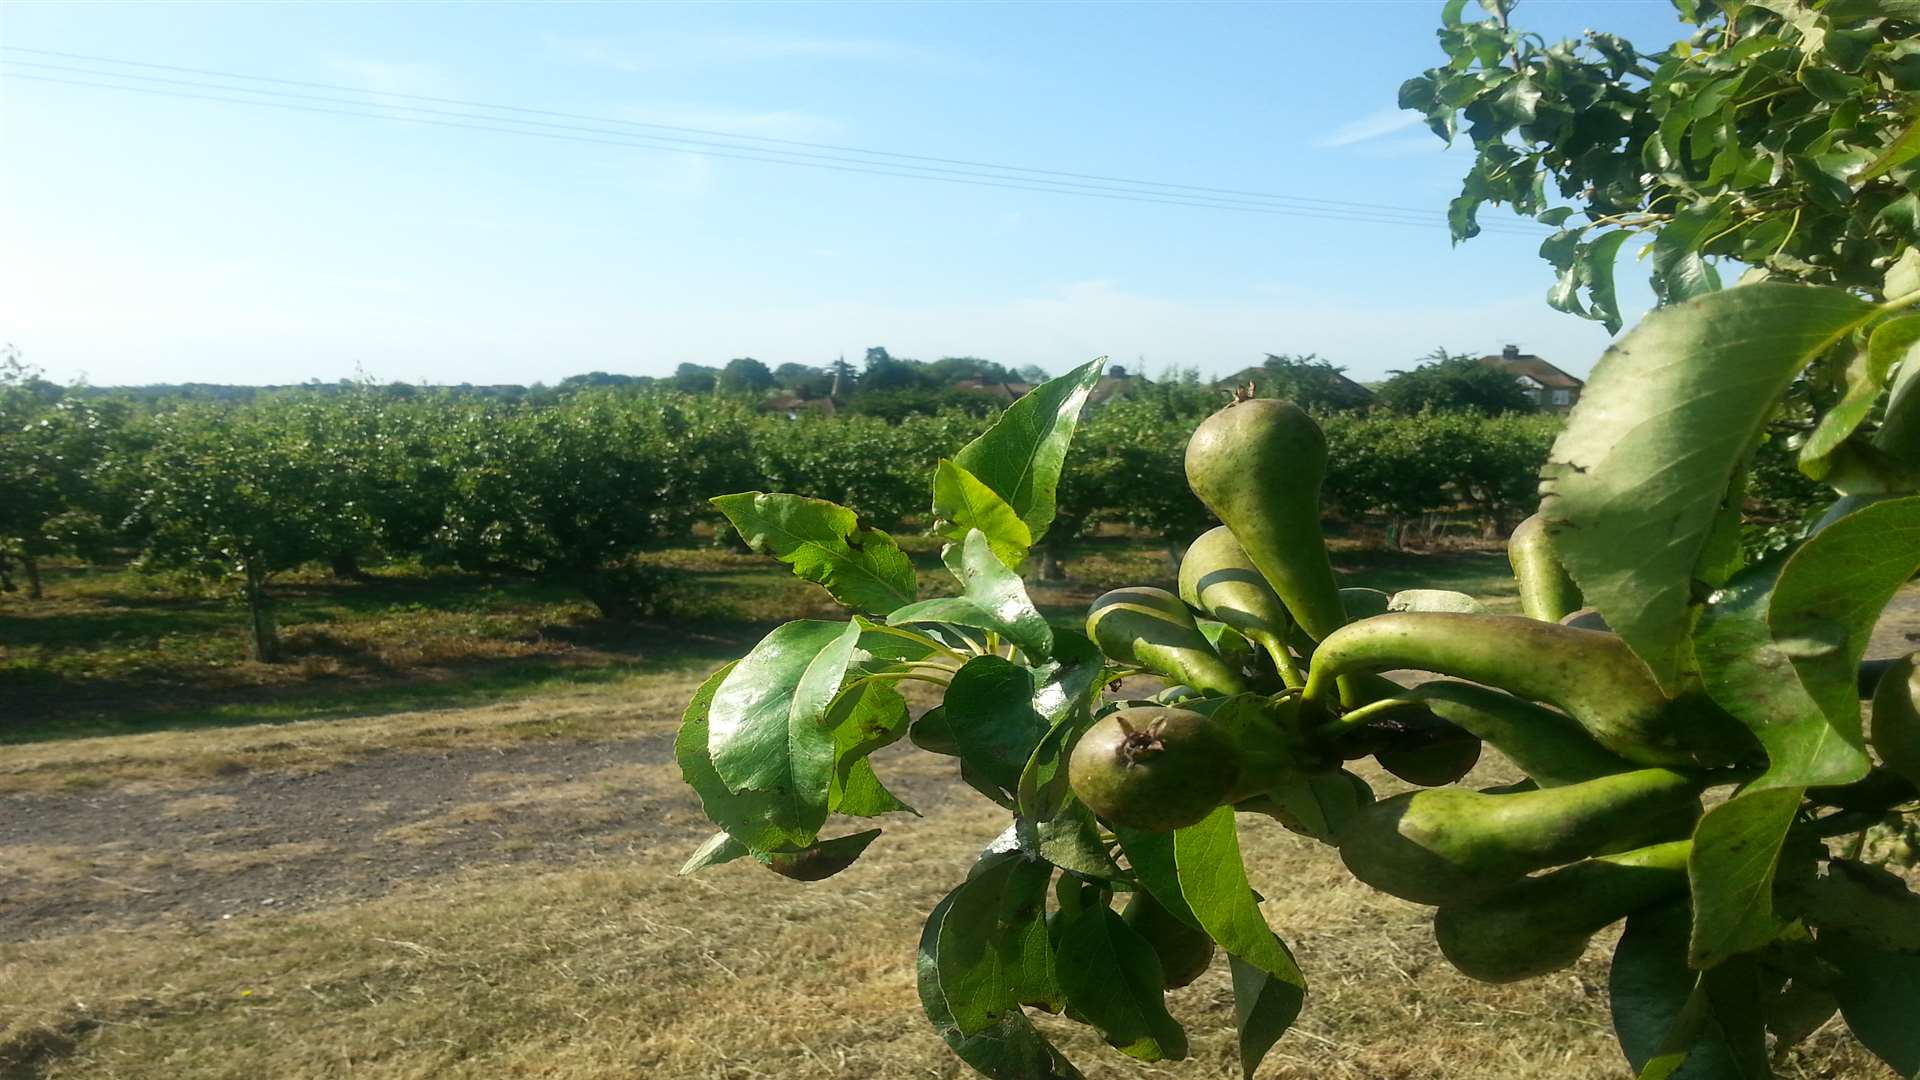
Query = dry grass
x=617 y=967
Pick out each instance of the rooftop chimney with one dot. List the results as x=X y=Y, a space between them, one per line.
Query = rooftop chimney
x=1511 y=352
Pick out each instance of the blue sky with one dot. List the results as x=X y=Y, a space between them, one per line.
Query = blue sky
x=150 y=238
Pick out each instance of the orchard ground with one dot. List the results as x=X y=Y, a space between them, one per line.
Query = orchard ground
x=442 y=840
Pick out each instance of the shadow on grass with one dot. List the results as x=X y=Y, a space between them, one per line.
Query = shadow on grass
x=91 y=708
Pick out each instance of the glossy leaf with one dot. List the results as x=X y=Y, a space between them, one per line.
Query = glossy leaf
x=761 y=820
x=1112 y=977
x=1634 y=484
x=1877 y=991
x=1020 y=456
x=825 y=543
x=1865 y=376
x=989 y=709
x=1264 y=1007
x=992 y=598
x=767 y=730
x=962 y=501
x=985 y=925
x=1736 y=853
x=720 y=848
x=866 y=715
x=1009 y=1049
x=818 y=861
x=1667 y=1019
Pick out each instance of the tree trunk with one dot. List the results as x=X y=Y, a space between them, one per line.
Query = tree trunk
x=1052 y=567
x=346 y=567
x=611 y=595
x=266 y=631
x=32 y=566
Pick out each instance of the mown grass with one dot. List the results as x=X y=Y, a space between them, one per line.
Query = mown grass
x=615 y=966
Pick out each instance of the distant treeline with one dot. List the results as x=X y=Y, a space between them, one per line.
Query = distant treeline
x=573 y=489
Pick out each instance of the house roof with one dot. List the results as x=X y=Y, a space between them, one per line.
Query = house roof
x=1107 y=387
x=1535 y=368
x=1261 y=377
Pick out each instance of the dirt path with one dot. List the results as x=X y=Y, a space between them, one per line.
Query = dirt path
x=278 y=841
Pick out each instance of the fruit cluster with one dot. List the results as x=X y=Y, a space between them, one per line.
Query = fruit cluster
x=1615 y=768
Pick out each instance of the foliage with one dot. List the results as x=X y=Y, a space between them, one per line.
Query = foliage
x=1779 y=135
x=1731 y=676
x=1310 y=382
x=55 y=451
x=1447 y=382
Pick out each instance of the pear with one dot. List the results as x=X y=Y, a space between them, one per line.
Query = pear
x=1217 y=577
x=1151 y=628
x=1446 y=845
x=1547 y=592
x=1542 y=924
x=1258 y=466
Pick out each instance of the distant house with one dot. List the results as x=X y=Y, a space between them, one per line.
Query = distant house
x=793 y=405
x=1548 y=387
x=1106 y=388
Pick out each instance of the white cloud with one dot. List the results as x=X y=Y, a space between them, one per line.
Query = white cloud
x=1375 y=125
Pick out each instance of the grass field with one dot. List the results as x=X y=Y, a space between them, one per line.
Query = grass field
x=461 y=864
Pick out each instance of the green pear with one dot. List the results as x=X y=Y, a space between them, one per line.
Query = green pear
x=1548 y=746
x=1184 y=952
x=1258 y=466
x=1441 y=759
x=1894 y=732
x=1154 y=768
x=1547 y=592
x=1446 y=845
x=1217 y=577
x=1151 y=628
x=1589 y=674
x=1542 y=924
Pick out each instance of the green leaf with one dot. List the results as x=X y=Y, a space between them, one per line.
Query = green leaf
x=1010 y=1049
x=1112 y=976
x=1680 y=271
x=1435 y=600
x=1264 y=1007
x=989 y=708
x=720 y=848
x=1830 y=594
x=1736 y=851
x=1877 y=991
x=1319 y=804
x=866 y=715
x=986 y=923
x=962 y=501
x=760 y=820
x=1864 y=376
x=1902 y=150
x=1634 y=483
x=1842 y=12
x=767 y=729
x=825 y=543
x=1596 y=264
x=817 y=862
x=1070 y=840
x=1657 y=1013
x=994 y=598
x=1020 y=456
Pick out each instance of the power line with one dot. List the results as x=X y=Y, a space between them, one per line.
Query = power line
x=643 y=142
x=466 y=103
x=651 y=141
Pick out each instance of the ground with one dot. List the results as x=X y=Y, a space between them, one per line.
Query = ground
x=486 y=890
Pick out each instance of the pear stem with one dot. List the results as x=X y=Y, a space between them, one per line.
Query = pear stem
x=1284 y=663
x=1360 y=715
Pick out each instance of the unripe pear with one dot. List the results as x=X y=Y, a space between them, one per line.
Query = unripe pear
x=1151 y=628
x=1541 y=924
x=1154 y=768
x=1446 y=845
x=1547 y=592
x=1258 y=466
x=1895 y=729
x=1184 y=952
x=1592 y=676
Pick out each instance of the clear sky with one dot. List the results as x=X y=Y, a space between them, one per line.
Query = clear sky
x=147 y=238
